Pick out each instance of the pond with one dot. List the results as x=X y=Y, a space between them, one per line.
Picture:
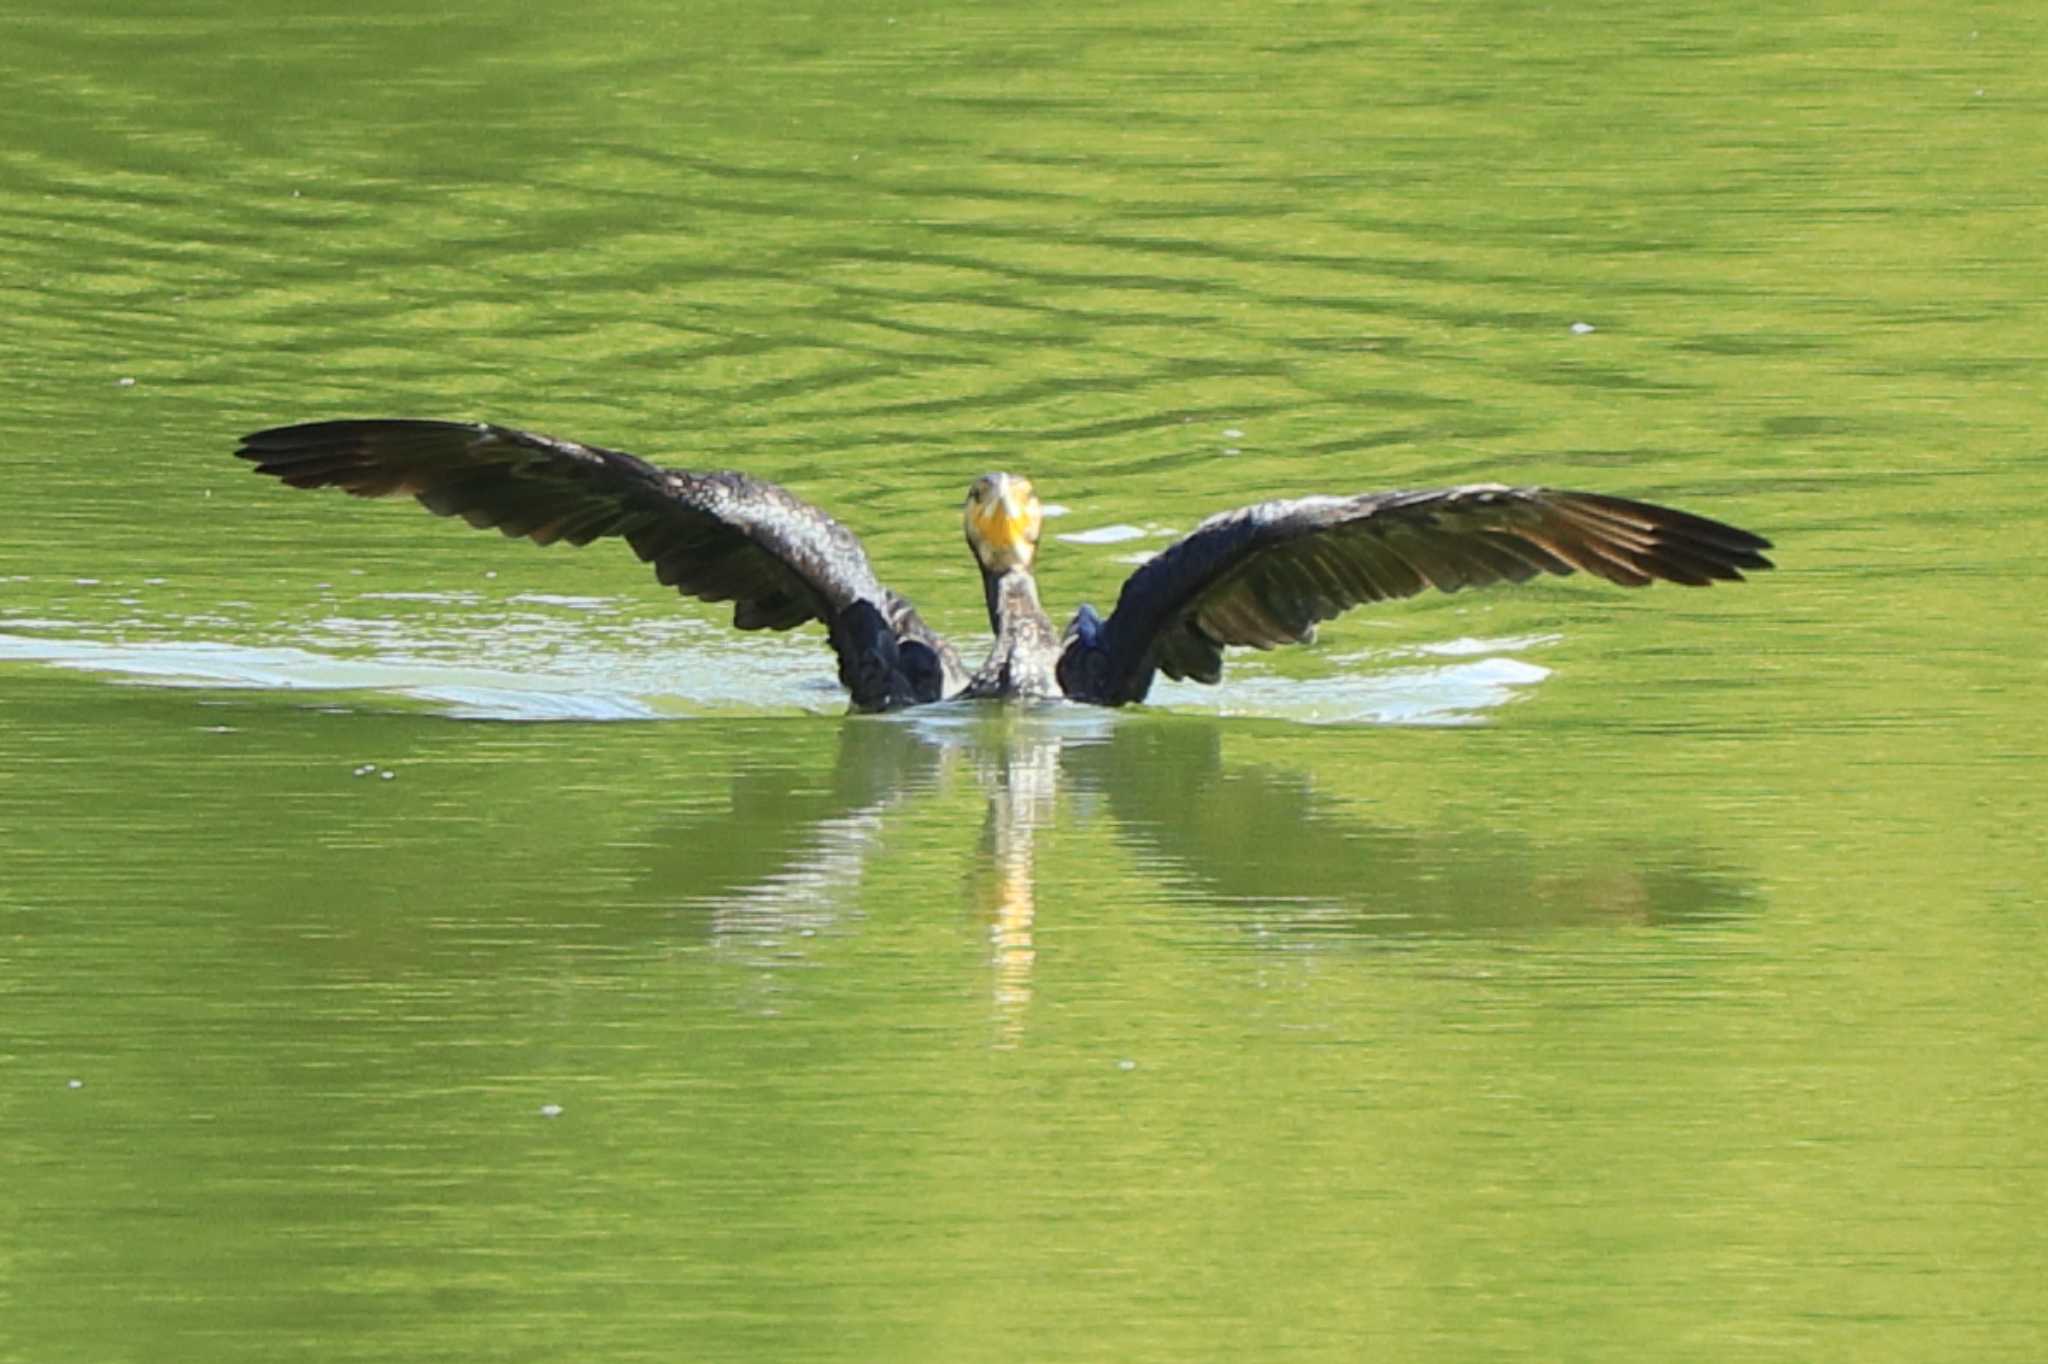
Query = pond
x=421 y=945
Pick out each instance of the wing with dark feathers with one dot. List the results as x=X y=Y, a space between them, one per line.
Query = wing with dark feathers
x=716 y=536
x=1264 y=575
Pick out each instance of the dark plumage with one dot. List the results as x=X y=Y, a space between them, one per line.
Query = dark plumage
x=1265 y=575
x=716 y=536
x=1261 y=576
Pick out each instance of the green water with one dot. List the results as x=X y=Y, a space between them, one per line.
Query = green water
x=1546 y=974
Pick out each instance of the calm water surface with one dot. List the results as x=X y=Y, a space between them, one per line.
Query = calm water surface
x=414 y=945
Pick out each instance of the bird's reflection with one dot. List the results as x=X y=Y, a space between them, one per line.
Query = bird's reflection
x=1257 y=840
x=1021 y=780
x=1263 y=837
x=787 y=846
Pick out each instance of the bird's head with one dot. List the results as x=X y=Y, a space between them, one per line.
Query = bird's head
x=1003 y=516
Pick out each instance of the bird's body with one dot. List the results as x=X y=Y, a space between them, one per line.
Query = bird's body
x=1261 y=576
x=1023 y=661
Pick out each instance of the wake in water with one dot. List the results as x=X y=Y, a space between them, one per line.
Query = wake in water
x=535 y=668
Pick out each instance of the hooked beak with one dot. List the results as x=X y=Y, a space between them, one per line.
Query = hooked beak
x=1003 y=520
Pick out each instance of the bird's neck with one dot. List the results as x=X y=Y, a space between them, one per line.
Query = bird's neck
x=1012 y=601
x=1024 y=658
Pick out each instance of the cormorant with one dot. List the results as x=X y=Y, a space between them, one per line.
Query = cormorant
x=1262 y=575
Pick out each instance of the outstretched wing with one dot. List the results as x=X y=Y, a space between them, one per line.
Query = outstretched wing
x=1264 y=575
x=716 y=536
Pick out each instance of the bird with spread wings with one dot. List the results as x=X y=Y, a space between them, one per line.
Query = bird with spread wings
x=1262 y=575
